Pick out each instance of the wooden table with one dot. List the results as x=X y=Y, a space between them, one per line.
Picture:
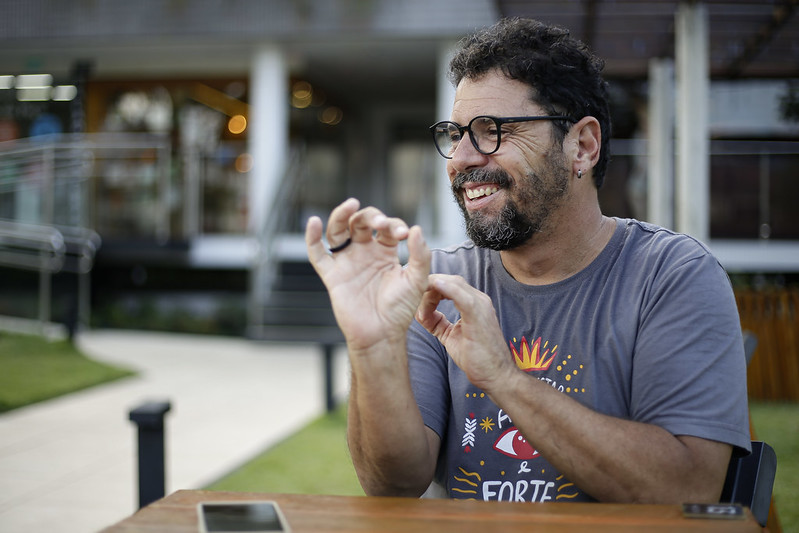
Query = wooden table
x=309 y=513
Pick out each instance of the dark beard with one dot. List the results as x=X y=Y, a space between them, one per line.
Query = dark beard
x=513 y=226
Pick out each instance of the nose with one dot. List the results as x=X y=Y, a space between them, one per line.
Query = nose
x=465 y=157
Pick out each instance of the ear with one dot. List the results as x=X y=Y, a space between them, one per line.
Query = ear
x=587 y=143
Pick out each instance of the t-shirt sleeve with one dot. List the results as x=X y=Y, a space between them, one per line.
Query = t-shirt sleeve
x=427 y=361
x=689 y=369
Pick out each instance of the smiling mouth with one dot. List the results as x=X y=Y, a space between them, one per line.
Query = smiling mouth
x=481 y=192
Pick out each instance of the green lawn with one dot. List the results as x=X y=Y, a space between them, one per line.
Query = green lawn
x=313 y=461
x=33 y=369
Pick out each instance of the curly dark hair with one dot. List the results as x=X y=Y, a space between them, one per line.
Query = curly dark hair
x=564 y=73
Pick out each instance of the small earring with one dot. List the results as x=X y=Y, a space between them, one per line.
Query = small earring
x=579 y=174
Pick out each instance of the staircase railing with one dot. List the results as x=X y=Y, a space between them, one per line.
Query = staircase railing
x=44 y=214
x=31 y=247
x=263 y=273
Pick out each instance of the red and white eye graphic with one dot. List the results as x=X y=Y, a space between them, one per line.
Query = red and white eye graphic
x=513 y=444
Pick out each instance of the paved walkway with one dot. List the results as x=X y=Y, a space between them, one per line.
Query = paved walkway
x=69 y=465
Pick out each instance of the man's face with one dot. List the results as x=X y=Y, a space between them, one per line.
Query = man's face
x=508 y=196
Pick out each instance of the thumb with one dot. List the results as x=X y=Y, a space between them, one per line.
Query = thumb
x=317 y=252
x=418 y=256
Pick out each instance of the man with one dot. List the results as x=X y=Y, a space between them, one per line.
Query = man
x=559 y=354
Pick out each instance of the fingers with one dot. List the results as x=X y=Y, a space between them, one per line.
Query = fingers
x=371 y=223
x=338 y=226
x=440 y=287
x=348 y=222
x=474 y=306
x=429 y=317
x=419 y=258
x=418 y=252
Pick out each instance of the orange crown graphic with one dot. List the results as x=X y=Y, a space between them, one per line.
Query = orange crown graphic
x=531 y=358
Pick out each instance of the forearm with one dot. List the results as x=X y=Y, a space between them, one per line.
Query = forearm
x=387 y=438
x=610 y=458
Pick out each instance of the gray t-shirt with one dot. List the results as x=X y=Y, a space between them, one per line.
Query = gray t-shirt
x=649 y=332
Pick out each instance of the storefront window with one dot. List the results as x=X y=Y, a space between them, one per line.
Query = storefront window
x=205 y=123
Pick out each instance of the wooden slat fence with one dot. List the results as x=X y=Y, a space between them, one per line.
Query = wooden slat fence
x=773 y=316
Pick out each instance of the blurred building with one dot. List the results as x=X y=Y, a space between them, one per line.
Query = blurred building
x=201 y=134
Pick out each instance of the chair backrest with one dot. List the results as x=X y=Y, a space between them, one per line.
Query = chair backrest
x=750 y=480
x=750 y=343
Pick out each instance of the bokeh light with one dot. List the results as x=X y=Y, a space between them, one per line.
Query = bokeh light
x=237 y=124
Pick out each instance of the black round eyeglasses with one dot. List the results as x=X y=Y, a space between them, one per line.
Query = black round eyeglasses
x=485 y=132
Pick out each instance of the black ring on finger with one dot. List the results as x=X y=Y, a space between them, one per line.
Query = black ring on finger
x=341 y=246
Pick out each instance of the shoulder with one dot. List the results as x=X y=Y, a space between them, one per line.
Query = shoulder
x=648 y=242
x=661 y=260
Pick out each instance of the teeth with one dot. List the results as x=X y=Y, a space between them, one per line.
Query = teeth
x=479 y=193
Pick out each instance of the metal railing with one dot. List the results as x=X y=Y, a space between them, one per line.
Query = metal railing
x=31 y=247
x=87 y=180
x=263 y=273
x=45 y=202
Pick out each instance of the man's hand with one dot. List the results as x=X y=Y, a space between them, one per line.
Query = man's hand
x=475 y=341
x=373 y=297
x=374 y=300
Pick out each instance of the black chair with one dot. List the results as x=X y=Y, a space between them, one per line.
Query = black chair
x=750 y=343
x=750 y=480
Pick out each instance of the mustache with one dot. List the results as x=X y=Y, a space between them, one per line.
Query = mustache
x=480 y=175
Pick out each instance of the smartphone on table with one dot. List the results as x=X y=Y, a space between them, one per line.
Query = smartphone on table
x=237 y=516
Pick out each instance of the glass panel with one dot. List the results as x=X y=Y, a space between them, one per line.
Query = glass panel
x=324 y=187
x=197 y=187
x=734 y=194
x=412 y=174
x=753 y=190
x=784 y=196
x=224 y=189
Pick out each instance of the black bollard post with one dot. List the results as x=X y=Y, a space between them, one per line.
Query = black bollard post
x=149 y=417
x=330 y=401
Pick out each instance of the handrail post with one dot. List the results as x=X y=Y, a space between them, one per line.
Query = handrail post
x=149 y=417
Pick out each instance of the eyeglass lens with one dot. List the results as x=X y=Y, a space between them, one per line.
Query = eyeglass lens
x=483 y=131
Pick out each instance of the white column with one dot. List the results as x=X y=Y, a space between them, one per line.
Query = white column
x=693 y=144
x=449 y=219
x=268 y=129
x=660 y=137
